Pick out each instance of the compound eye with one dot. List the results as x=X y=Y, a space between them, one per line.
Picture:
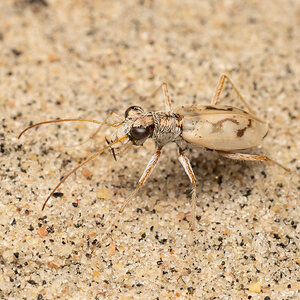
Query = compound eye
x=139 y=133
x=134 y=108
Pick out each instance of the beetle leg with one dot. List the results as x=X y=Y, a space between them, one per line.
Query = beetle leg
x=220 y=88
x=252 y=157
x=189 y=171
x=164 y=86
x=92 y=136
x=150 y=167
x=168 y=105
x=98 y=129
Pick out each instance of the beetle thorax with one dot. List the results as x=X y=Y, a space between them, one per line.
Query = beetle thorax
x=167 y=127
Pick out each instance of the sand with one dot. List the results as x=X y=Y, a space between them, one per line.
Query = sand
x=85 y=59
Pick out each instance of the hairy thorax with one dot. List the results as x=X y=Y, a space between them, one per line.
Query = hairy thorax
x=167 y=127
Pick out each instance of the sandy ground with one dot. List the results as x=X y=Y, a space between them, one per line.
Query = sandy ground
x=84 y=59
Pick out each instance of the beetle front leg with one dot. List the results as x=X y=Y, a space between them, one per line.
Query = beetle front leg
x=150 y=167
x=92 y=136
x=164 y=86
x=112 y=113
x=168 y=105
x=189 y=171
x=250 y=157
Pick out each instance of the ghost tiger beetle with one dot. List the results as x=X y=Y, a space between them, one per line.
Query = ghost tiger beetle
x=223 y=129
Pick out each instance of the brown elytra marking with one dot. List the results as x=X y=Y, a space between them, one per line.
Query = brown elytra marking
x=220 y=109
x=249 y=123
x=220 y=123
x=229 y=109
x=266 y=134
x=241 y=132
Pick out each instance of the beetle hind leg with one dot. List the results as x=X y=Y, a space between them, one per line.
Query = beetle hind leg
x=189 y=171
x=250 y=157
x=220 y=88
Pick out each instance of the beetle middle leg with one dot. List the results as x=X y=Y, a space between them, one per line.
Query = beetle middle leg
x=250 y=157
x=189 y=171
x=220 y=88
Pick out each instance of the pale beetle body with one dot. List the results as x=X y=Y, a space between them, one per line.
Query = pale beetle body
x=221 y=127
x=224 y=129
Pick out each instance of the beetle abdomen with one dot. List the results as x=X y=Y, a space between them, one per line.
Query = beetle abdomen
x=221 y=127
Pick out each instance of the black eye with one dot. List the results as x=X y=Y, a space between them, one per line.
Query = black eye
x=140 y=133
x=136 y=108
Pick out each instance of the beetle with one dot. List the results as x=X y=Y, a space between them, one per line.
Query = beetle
x=223 y=129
